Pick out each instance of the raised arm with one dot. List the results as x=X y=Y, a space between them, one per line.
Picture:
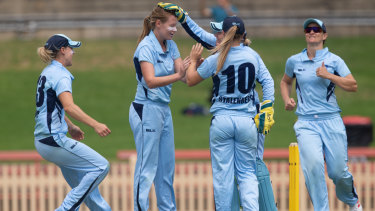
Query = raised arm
x=181 y=66
x=153 y=81
x=265 y=79
x=192 y=76
x=206 y=39
x=347 y=83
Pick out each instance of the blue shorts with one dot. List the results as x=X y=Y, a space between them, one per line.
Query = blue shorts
x=323 y=141
x=233 y=145
x=152 y=128
x=82 y=167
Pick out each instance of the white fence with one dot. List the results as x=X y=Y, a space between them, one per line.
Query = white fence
x=40 y=186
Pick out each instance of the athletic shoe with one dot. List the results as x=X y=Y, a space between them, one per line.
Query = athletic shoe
x=356 y=207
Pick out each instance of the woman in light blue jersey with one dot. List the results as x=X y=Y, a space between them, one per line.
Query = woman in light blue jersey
x=82 y=167
x=320 y=130
x=158 y=65
x=234 y=68
x=209 y=41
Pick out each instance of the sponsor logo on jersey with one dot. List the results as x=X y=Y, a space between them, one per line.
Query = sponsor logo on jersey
x=301 y=70
x=160 y=61
x=75 y=144
x=150 y=130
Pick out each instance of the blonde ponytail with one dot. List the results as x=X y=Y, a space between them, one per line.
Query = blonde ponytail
x=46 y=55
x=224 y=47
x=247 y=42
x=146 y=28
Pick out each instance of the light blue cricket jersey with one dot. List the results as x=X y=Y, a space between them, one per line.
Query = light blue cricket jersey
x=150 y=50
x=315 y=95
x=234 y=85
x=208 y=40
x=49 y=115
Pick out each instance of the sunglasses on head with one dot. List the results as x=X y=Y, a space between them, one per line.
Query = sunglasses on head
x=315 y=29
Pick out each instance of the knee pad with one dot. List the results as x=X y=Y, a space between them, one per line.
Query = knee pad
x=266 y=198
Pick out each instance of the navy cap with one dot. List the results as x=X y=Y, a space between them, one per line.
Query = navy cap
x=58 y=41
x=314 y=20
x=234 y=21
x=216 y=26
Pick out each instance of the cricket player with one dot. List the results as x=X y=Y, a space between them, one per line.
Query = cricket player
x=82 y=167
x=158 y=65
x=233 y=133
x=320 y=130
x=209 y=41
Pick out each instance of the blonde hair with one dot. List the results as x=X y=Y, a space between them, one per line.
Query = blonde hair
x=46 y=55
x=157 y=13
x=225 y=45
x=247 y=42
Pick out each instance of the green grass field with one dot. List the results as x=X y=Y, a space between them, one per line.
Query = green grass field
x=104 y=87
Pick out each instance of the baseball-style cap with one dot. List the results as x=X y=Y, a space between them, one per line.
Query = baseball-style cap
x=216 y=26
x=314 y=20
x=232 y=21
x=58 y=41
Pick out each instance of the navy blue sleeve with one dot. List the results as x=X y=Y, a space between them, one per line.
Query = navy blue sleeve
x=205 y=38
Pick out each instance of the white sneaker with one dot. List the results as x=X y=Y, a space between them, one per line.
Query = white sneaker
x=356 y=207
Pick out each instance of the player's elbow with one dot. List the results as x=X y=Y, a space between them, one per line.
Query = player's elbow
x=190 y=82
x=193 y=78
x=151 y=84
x=69 y=109
x=350 y=84
x=353 y=87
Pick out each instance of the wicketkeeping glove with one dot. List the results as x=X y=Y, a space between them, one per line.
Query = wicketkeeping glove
x=178 y=11
x=264 y=119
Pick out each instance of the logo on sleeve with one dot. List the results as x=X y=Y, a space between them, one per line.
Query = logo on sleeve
x=160 y=61
x=74 y=145
x=150 y=130
x=301 y=69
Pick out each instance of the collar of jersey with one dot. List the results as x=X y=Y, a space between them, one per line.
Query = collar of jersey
x=156 y=43
x=61 y=67
x=319 y=55
x=239 y=47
